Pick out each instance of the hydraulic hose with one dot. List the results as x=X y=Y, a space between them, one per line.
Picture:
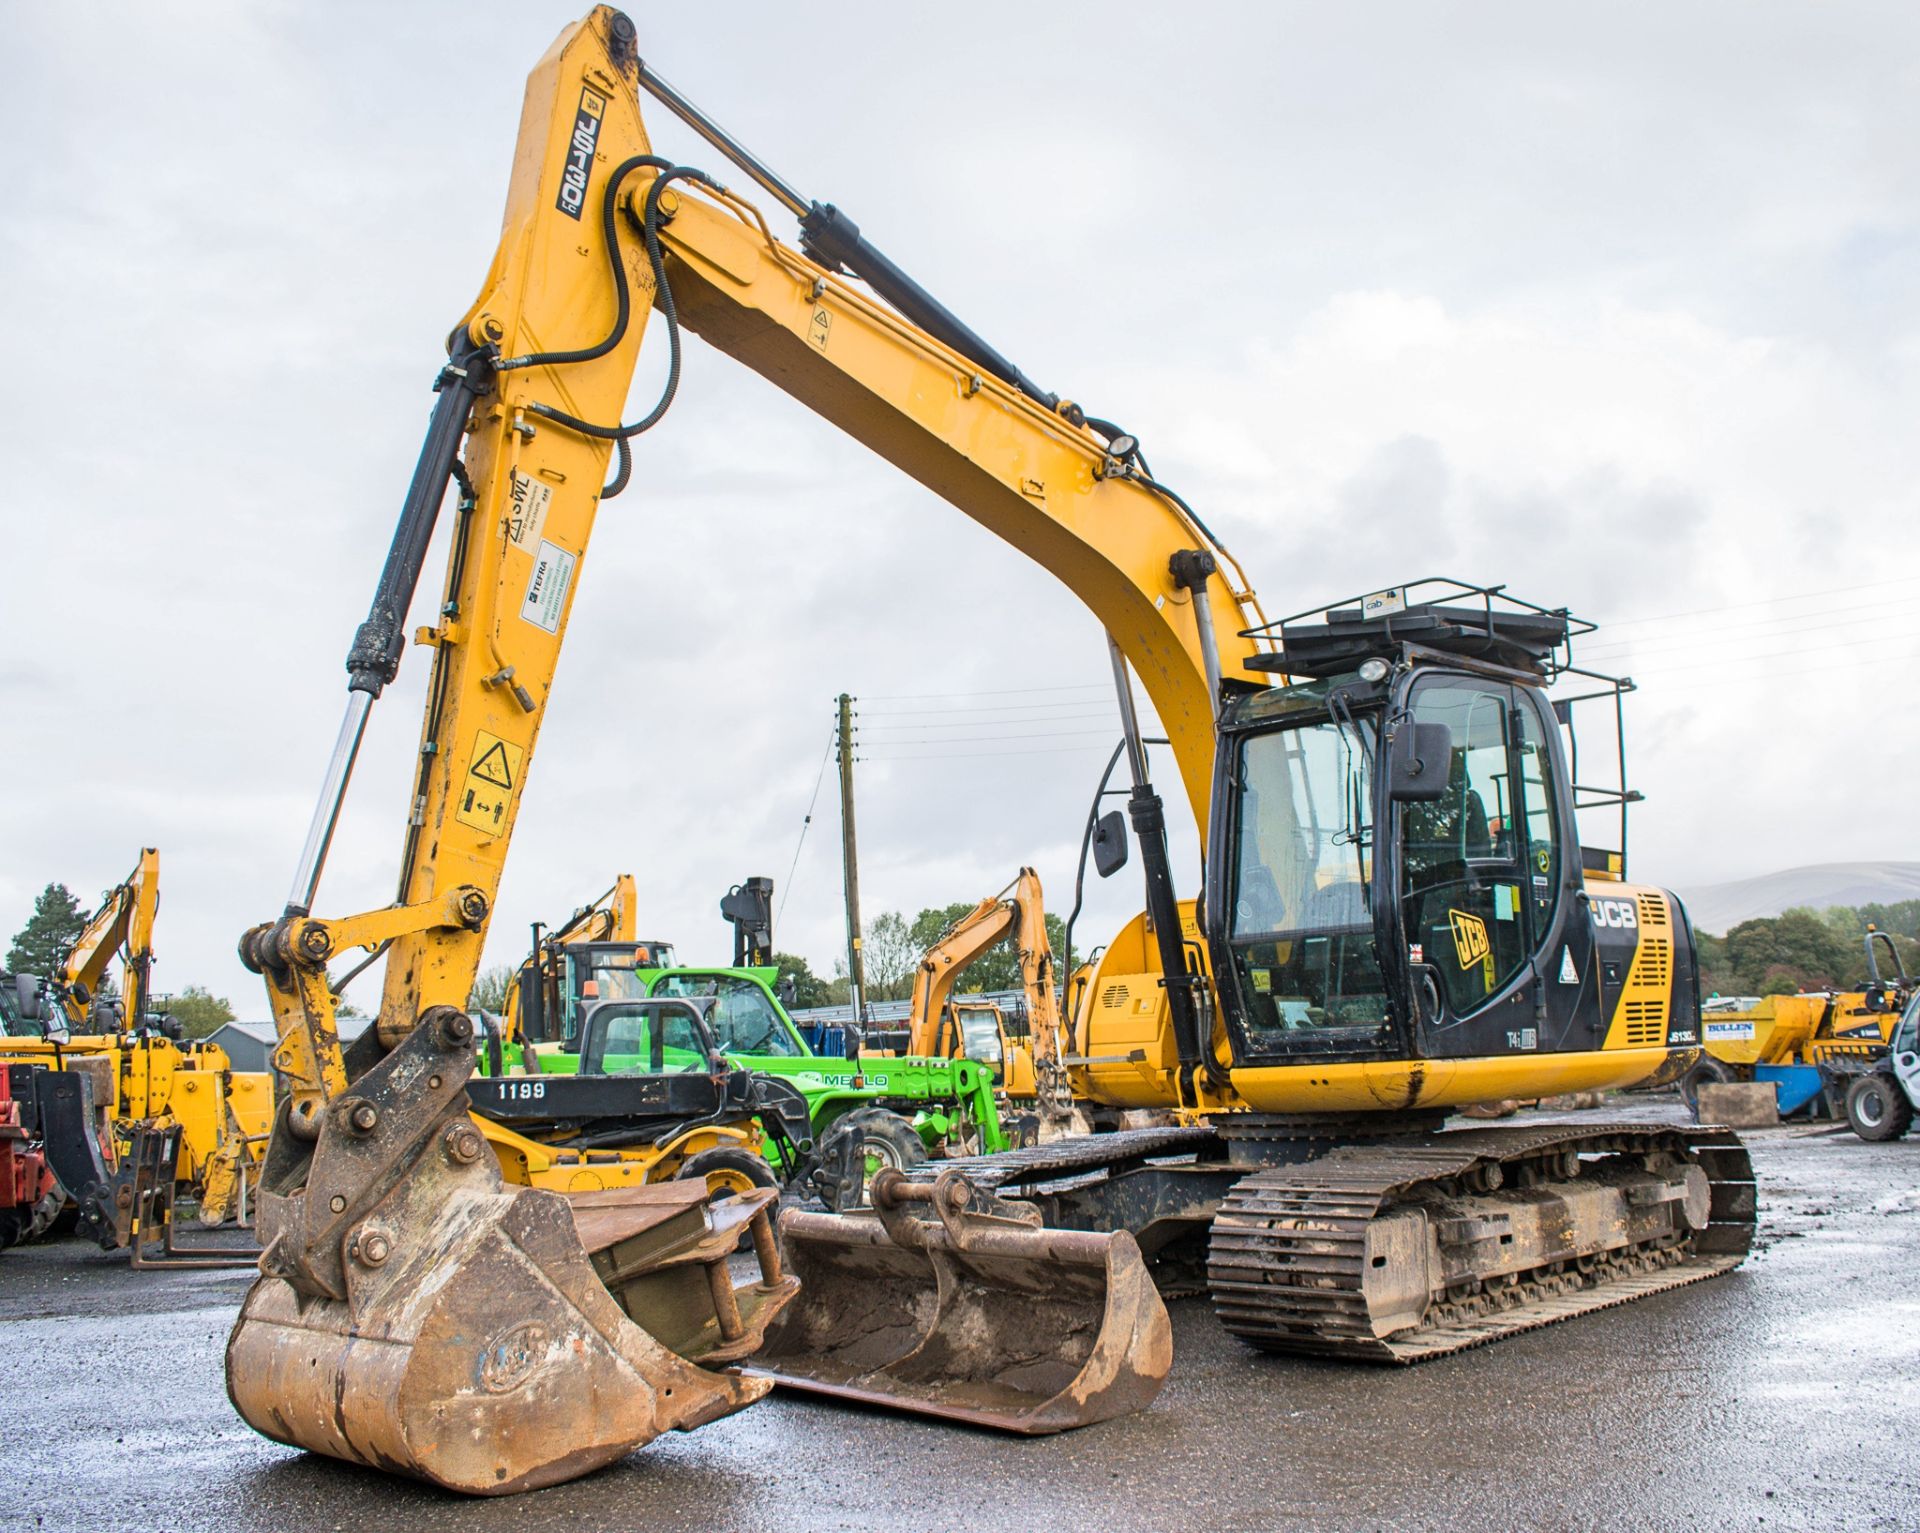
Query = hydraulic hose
x=609 y=204
x=620 y=435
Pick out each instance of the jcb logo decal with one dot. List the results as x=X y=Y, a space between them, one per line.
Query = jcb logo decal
x=1616 y=913
x=586 y=135
x=1470 y=942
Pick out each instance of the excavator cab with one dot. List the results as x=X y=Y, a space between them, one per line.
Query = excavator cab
x=1395 y=858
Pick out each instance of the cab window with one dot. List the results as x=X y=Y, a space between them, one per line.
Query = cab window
x=1302 y=922
x=980 y=1034
x=743 y=1019
x=1539 y=820
x=1463 y=884
x=632 y=1048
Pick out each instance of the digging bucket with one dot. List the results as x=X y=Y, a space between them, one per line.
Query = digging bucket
x=417 y=1315
x=950 y=1303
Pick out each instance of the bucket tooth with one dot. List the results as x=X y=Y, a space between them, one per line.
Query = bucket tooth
x=428 y=1320
x=981 y=1317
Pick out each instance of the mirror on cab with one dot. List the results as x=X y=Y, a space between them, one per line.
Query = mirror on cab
x=27 y=988
x=1418 y=762
x=1110 y=843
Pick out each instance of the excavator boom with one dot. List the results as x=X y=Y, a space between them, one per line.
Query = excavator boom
x=413 y=1312
x=1017 y=914
x=123 y=925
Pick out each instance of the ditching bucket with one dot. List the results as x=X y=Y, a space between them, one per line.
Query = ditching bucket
x=416 y=1315
x=984 y=1317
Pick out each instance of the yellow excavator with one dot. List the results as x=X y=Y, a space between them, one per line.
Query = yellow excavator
x=944 y=1025
x=1394 y=919
x=127 y=1110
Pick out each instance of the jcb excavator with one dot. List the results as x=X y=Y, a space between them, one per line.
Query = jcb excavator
x=1370 y=950
x=941 y=1025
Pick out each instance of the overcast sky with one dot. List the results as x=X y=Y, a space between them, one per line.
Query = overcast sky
x=1616 y=304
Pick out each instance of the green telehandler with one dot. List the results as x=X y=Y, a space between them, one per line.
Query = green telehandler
x=867 y=1114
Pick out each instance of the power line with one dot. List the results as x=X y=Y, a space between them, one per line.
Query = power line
x=1692 y=688
x=1054 y=750
x=928 y=697
x=913 y=713
x=1042 y=734
x=793 y=867
x=1667 y=644
x=875 y=732
x=1776 y=654
x=1767 y=601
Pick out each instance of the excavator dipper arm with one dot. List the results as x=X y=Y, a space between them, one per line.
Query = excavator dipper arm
x=123 y=923
x=412 y=1312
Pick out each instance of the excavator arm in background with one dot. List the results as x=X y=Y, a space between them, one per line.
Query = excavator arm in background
x=123 y=927
x=942 y=966
x=1017 y=914
x=402 y=1283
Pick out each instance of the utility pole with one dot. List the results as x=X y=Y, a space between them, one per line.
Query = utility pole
x=850 y=871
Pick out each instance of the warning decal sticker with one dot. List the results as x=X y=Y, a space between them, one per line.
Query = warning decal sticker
x=526 y=510
x=547 y=587
x=487 y=790
x=1568 y=974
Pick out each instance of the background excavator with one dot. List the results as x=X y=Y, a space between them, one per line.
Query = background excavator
x=942 y=1024
x=127 y=1113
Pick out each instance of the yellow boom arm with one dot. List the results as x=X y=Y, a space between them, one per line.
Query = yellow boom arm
x=1020 y=913
x=540 y=367
x=122 y=925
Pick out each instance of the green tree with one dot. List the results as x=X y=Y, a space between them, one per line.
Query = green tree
x=891 y=957
x=1796 y=945
x=40 y=946
x=490 y=988
x=1803 y=949
x=199 y=1011
x=809 y=989
x=1716 y=973
x=996 y=969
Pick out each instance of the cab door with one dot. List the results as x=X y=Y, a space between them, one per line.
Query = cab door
x=1482 y=879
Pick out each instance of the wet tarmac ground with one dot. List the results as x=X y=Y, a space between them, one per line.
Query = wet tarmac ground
x=1784 y=1396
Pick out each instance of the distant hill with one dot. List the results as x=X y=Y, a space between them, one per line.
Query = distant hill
x=1716 y=907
